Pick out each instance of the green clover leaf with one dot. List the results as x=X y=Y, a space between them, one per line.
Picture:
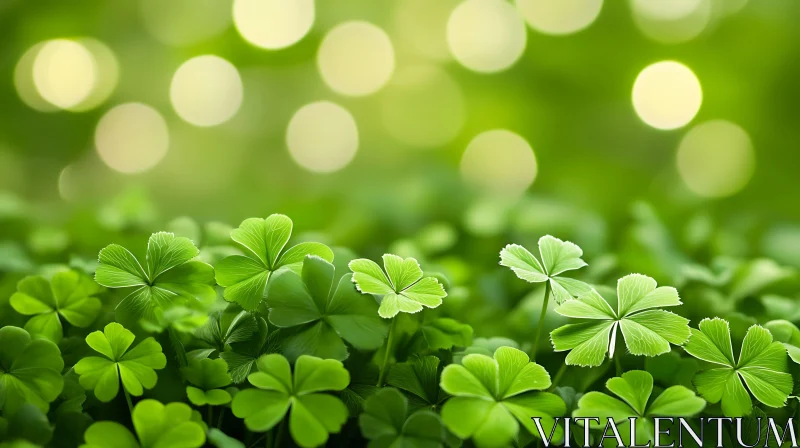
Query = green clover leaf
x=386 y=423
x=228 y=326
x=419 y=378
x=444 y=333
x=69 y=295
x=322 y=312
x=492 y=397
x=557 y=257
x=634 y=389
x=245 y=277
x=243 y=355
x=647 y=331
x=207 y=378
x=169 y=276
x=172 y=425
x=30 y=371
x=313 y=415
x=761 y=365
x=402 y=286
x=787 y=333
x=135 y=366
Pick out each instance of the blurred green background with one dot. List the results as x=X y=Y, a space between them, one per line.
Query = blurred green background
x=405 y=141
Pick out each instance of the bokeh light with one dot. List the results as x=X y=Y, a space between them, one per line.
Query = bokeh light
x=106 y=72
x=23 y=81
x=206 y=90
x=322 y=137
x=486 y=35
x=420 y=27
x=559 y=17
x=673 y=21
x=716 y=159
x=132 y=138
x=499 y=162
x=356 y=58
x=273 y=24
x=423 y=106
x=667 y=95
x=64 y=72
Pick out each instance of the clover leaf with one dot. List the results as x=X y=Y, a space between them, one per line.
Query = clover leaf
x=446 y=333
x=69 y=295
x=634 y=388
x=403 y=286
x=168 y=277
x=761 y=365
x=492 y=397
x=323 y=312
x=419 y=378
x=557 y=257
x=30 y=371
x=245 y=277
x=208 y=377
x=647 y=331
x=386 y=423
x=135 y=367
x=173 y=425
x=242 y=355
x=228 y=326
x=787 y=333
x=313 y=415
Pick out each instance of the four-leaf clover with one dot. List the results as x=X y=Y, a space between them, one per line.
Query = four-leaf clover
x=386 y=423
x=402 y=286
x=313 y=416
x=492 y=397
x=761 y=365
x=323 y=312
x=635 y=388
x=173 y=425
x=169 y=276
x=245 y=277
x=30 y=371
x=135 y=366
x=69 y=295
x=557 y=257
x=647 y=331
x=207 y=378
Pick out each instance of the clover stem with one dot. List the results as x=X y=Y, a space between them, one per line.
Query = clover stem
x=561 y=371
x=540 y=327
x=128 y=399
x=220 y=418
x=279 y=435
x=259 y=439
x=210 y=415
x=618 y=366
x=389 y=338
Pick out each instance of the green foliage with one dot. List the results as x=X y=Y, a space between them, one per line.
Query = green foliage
x=557 y=257
x=68 y=295
x=169 y=276
x=403 y=285
x=207 y=378
x=156 y=425
x=634 y=390
x=282 y=343
x=761 y=365
x=647 y=330
x=386 y=422
x=323 y=312
x=136 y=367
x=30 y=371
x=278 y=390
x=493 y=396
x=245 y=277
